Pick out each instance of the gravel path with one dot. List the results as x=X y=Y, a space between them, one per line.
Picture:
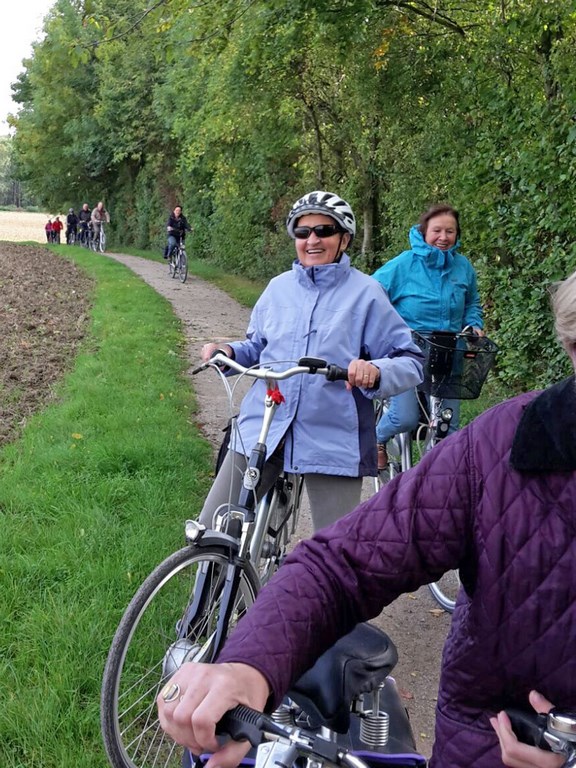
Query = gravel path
x=413 y=621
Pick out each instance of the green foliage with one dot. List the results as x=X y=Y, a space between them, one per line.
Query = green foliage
x=233 y=110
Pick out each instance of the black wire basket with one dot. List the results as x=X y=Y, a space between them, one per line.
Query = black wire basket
x=455 y=365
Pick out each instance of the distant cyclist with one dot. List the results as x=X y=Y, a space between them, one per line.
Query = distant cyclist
x=99 y=216
x=176 y=227
x=57 y=228
x=71 y=225
x=84 y=217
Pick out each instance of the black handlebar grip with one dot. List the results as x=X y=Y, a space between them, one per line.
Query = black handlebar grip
x=336 y=373
x=242 y=724
x=529 y=727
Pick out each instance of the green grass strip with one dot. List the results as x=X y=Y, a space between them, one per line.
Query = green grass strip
x=92 y=497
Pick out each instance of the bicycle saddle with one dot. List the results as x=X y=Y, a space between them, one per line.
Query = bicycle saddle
x=357 y=663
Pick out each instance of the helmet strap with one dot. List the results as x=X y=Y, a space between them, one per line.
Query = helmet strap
x=338 y=251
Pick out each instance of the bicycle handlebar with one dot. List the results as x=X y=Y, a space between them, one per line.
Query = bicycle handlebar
x=312 y=365
x=554 y=732
x=243 y=723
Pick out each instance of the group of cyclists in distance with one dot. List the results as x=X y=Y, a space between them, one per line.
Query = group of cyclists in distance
x=495 y=500
x=84 y=226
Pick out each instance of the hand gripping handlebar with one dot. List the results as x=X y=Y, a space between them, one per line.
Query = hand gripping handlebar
x=243 y=723
x=311 y=365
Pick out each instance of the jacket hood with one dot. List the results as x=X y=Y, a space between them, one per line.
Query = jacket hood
x=544 y=440
x=434 y=257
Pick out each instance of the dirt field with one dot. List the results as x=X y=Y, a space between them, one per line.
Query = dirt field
x=42 y=320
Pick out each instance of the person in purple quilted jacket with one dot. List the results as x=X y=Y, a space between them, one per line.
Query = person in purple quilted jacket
x=497 y=500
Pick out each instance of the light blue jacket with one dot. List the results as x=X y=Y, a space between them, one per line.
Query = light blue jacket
x=337 y=313
x=432 y=290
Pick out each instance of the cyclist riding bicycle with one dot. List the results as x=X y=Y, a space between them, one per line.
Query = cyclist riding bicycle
x=433 y=288
x=498 y=501
x=323 y=308
x=177 y=226
x=71 y=225
x=84 y=218
x=98 y=217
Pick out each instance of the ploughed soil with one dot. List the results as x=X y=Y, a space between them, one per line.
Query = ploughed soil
x=43 y=317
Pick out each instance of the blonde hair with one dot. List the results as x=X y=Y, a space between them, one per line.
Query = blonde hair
x=564 y=309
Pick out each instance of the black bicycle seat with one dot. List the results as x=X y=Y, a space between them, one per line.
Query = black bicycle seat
x=357 y=663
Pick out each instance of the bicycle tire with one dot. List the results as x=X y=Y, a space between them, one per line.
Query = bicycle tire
x=398 y=449
x=445 y=590
x=284 y=501
x=182 y=266
x=102 y=241
x=145 y=652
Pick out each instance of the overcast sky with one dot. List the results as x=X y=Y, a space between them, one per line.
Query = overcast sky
x=21 y=26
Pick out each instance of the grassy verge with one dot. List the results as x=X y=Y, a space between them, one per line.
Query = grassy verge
x=91 y=498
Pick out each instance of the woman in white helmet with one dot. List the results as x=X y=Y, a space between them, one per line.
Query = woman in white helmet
x=323 y=307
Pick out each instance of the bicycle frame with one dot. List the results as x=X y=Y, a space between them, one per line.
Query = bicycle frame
x=249 y=519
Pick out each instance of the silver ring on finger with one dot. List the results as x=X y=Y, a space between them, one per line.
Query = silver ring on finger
x=170 y=693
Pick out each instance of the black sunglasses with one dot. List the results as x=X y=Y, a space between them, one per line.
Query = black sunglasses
x=320 y=230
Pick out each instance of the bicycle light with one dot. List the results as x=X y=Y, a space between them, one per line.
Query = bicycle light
x=446 y=414
x=443 y=424
x=193 y=529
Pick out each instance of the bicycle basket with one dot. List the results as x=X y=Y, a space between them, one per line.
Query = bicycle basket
x=455 y=367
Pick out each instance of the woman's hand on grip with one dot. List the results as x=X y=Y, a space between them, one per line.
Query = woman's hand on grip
x=516 y=754
x=362 y=373
x=204 y=693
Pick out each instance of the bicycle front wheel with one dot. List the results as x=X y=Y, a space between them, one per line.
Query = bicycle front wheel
x=183 y=266
x=102 y=243
x=172 y=264
x=150 y=644
x=445 y=590
x=280 y=511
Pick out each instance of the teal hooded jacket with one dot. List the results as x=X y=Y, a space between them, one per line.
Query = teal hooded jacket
x=432 y=290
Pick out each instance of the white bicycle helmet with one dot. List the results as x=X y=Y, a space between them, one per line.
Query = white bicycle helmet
x=323 y=202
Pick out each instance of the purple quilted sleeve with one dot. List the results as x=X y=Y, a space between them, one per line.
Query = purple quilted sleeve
x=414 y=529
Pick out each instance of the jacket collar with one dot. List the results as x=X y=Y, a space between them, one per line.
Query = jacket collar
x=324 y=275
x=433 y=257
x=545 y=439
